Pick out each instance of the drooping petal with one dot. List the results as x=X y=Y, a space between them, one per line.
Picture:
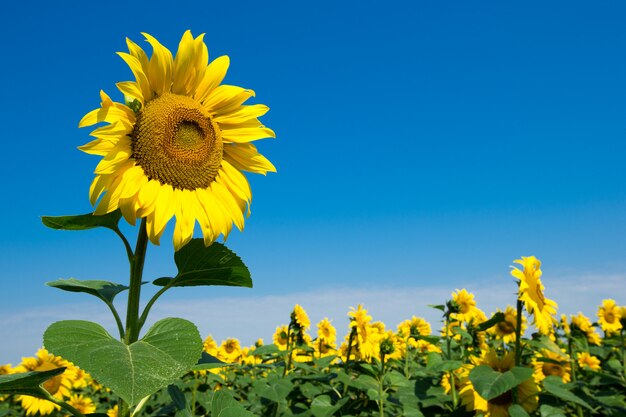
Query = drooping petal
x=241 y=114
x=245 y=157
x=226 y=98
x=160 y=66
x=213 y=77
x=140 y=75
x=164 y=207
x=130 y=89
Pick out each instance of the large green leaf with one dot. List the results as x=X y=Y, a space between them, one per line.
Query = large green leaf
x=27 y=383
x=212 y=265
x=169 y=349
x=104 y=290
x=517 y=410
x=491 y=384
x=83 y=221
x=555 y=386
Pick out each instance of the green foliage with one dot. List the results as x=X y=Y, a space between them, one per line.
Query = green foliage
x=28 y=383
x=491 y=384
x=213 y=265
x=104 y=290
x=168 y=350
x=83 y=221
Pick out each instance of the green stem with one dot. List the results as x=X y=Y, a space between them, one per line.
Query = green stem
x=455 y=400
x=288 y=361
x=146 y=310
x=518 y=334
x=63 y=404
x=136 y=272
x=118 y=320
x=579 y=409
x=129 y=250
x=380 y=385
x=623 y=347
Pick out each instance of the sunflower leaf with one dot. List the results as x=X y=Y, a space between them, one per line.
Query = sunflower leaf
x=168 y=350
x=207 y=361
x=491 y=384
x=555 y=386
x=213 y=265
x=224 y=405
x=83 y=221
x=28 y=383
x=105 y=290
x=517 y=410
x=495 y=319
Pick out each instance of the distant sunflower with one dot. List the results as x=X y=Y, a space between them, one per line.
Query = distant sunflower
x=585 y=360
x=466 y=303
x=583 y=324
x=58 y=386
x=609 y=315
x=300 y=318
x=547 y=363
x=531 y=293
x=505 y=330
x=83 y=404
x=177 y=148
x=229 y=351
x=210 y=346
x=280 y=337
x=414 y=327
x=326 y=331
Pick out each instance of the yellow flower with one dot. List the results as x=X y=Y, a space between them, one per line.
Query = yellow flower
x=112 y=412
x=59 y=386
x=531 y=293
x=6 y=369
x=229 y=351
x=178 y=147
x=565 y=325
x=326 y=331
x=299 y=316
x=83 y=404
x=587 y=360
x=210 y=346
x=582 y=323
x=416 y=326
x=498 y=407
x=505 y=330
x=547 y=363
x=467 y=305
x=609 y=315
x=280 y=337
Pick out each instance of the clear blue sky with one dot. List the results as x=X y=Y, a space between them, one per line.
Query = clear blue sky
x=418 y=143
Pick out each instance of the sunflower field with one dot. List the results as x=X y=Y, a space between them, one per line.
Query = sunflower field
x=473 y=365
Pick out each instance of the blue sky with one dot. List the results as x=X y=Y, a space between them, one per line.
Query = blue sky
x=419 y=144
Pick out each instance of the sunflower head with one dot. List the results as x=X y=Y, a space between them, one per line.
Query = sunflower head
x=505 y=330
x=280 y=337
x=585 y=360
x=609 y=315
x=548 y=363
x=414 y=327
x=300 y=318
x=326 y=331
x=178 y=147
x=531 y=293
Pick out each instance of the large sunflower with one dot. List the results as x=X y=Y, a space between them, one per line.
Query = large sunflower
x=609 y=315
x=531 y=293
x=178 y=145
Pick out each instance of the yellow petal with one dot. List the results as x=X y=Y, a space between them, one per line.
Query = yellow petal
x=241 y=114
x=140 y=75
x=226 y=98
x=183 y=64
x=131 y=90
x=98 y=185
x=185 y=220
x=236 y=181
x=163 y=212
x=213 y=77
x=112 y=132
x=247 y=134
x=245 y=157
x=160 y=66
x=209 y=231
x=234 y=211
x=109 y=201
x=147 y=196
x=118 y=155
x=97 y=147
x=136 y=51
x=129 y=207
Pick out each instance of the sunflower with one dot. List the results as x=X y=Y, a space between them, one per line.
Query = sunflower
x=280 y=337
x=498 y=407
x=609 y=315
x=83 y=404
x=466 y=303
x=531 y=293
x=585 y=360
x=326 y=331
x=414 y=327
x=229 y=351
x=58 y=386
x=547 y=363
x=581 y=323
x=300 y=318
x=210 y=346
x=113 y=412
x=177 y=148
x=6 y=369
x=505 y=330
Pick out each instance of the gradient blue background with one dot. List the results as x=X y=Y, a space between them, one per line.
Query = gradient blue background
x=418 y=143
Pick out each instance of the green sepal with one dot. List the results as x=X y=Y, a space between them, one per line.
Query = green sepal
x=168 y=350
x=83 y=221
x=28 y=383
x=213 y=265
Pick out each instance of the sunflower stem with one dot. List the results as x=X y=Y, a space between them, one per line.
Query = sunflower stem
x=455 y=400
x=518 y=334
x=118 y=320
x=134 y=291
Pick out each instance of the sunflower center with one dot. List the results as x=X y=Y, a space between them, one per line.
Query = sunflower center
x=176 y=142
x=504 y=399
x=506 y=327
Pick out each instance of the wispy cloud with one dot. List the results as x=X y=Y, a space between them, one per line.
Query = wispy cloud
x=249 y=318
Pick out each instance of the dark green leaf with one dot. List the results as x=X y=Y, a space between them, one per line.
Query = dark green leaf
x=104 y=290
x=495 y=319
x=177 y=396
x=213 y=265
x=83 y=221
x=209 y=362
x=169 y=349
x=266 y=350
x=437 y=307
x=517 y=410
x=549 y=411
x=491 y=384
x=224 y=405
x=27 y=383
x=555 y=386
